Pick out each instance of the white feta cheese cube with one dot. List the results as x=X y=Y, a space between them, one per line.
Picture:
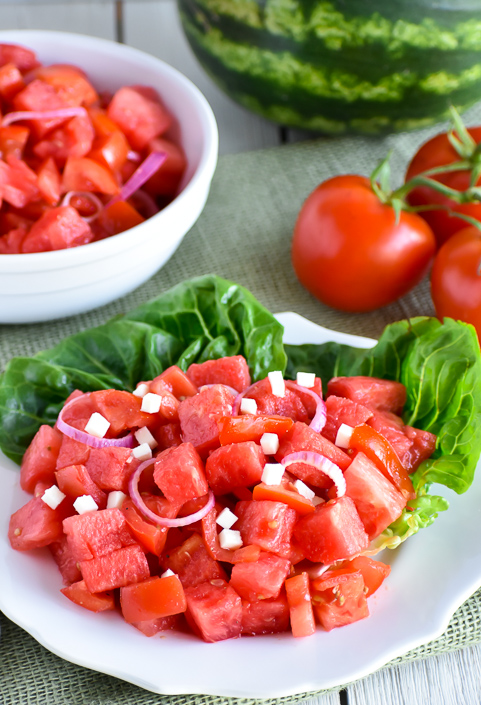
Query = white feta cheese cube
x=167 y=573
x=84 y=504
x=317 y=500
x=343 y=436
x=115 y=499
x=248 y=406
x=230 y=539
x=142 y=452
x=151 y=403
x=53 y=496
x=306 y=379
x=272 y=473
x=141 y=390
x=276 y=380
x=226 y=518
x=97 y=425
x=143 y=435
x=304 y=490
x=269 y=443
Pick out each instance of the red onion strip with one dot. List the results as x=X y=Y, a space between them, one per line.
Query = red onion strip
x=155 y=518
x=320 y=462
x=42 y=115
x=147 y=169
x=85 y=194
x=319 y=420
x=87 y=438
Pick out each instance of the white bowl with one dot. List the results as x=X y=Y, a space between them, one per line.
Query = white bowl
x=49 y=285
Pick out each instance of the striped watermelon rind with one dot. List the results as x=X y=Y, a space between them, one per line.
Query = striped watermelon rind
x=306 y=64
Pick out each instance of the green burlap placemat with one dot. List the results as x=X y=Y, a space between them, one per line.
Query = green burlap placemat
x=244 y=235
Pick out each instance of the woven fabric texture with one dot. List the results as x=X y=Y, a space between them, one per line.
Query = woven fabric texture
x=244 y=234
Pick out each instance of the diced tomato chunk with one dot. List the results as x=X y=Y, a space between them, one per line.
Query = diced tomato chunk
x=139 y=113
x=179 y=473
x=118 y=217
x=373 y=572
x=341 y=410
x=39 y=461
x=13 y=140
x=57 y=229
x=97 y=533
x=260 y=579
x=151 y=537
x=339 y=598
x=39 y=96
x=423 y=445
x=166 y=181
x=121 y=409
x=300 y=607
x=332 y=533
x=111 y=150
x=199 y=415
x=266 y=524
x=11 y=243
x=232 y=371
x=151 y=627
x=18 y=183
x=152 y=598
x=192 y=563
x=11 y=81
x=121 y=567
x=234 y=465
x=377 y=500
x=265 y=616
x=214 y=611
x=376 y=394
x=75 y=481
x=69 y=82
x=284 y=493
x=234 y=429
x=177 y=382
x=301 y=437
x=34 y=525
x=85 y=174
x=95 y=602
x=48 y=181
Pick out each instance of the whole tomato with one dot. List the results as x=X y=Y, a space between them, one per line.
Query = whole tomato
x=456 y=278
x=437 y=152
x=351 y=251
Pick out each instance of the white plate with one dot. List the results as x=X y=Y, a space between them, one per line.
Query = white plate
x=432 y=575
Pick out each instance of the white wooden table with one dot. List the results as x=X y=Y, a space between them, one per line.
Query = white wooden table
x=451 y=679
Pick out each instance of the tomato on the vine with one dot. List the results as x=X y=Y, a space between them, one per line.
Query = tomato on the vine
x=456 y=278
x=437 y=152
x=355 y=253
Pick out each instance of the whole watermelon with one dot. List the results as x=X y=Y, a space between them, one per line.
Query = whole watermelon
x=336 y=66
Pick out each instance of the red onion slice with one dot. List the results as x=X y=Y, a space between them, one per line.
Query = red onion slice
x=239 y=398
x=155 y=518
x=320 y=462
x=42 y=115
x=319 y=420
x=85 y=194
x=89 y=440
x=142 y=174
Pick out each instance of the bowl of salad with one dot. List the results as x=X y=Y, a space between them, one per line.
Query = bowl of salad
x=106 y=160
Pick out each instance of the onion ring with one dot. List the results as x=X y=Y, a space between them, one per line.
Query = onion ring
x=89 y=440
x=320 y=462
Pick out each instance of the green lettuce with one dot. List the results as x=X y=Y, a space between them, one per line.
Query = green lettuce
x=204 y=318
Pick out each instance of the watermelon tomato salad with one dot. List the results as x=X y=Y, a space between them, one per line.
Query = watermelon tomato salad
x=76 y=165
x=203 y=501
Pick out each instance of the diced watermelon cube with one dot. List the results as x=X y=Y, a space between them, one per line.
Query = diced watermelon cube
x=74 y=139
x=199 y=415
x=97 y=533
x=34 y=525
x=18 y=183
x=332 y=533
x=121 y=567
x=192 y=563
x=260 y=579
x=57 y=229
x=38 y=96
x=232 y=371
x=341 y=410
x=72 y=452
x=179 y=473
x=268 y=404
x=376 y=394
x=377 y=500
x=265 y=616
x=65 y=561
x=234 y=465
x=139 y=113
x=121 y=409
x=266 y=524
x=109 y=468
x=214 y=611
x=39 y=461
x=423 y=445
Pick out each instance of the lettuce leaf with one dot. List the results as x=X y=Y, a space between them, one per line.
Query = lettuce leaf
x=200 y=319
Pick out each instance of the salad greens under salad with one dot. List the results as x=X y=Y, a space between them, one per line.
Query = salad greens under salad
x=210 y=317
